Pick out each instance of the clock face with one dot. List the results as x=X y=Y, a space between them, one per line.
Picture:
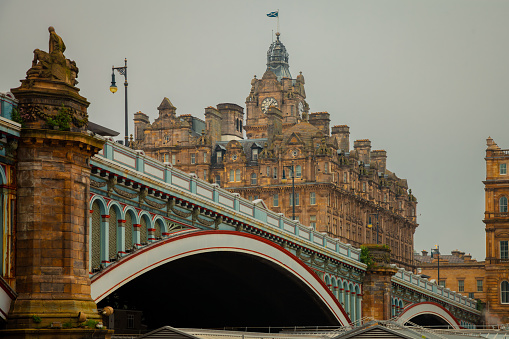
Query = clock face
x=301 y=107
x=234 y=157
x=267 y=102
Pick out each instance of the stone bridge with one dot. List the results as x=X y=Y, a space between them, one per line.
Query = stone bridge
x=144 y=215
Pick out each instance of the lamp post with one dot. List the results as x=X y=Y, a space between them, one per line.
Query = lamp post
x=436 y=251
x=371 y=225
x=293 y=186
x=113 y=89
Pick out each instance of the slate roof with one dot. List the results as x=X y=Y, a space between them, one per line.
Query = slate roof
x=246 y=145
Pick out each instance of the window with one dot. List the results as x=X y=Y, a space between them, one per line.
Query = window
x=130 y=321
x=442 y=283
x=461 y=285
x=219 y=157
x=296 y=199
x=204 y=157
x=345 y=177
x=173 y=159
x=166 y=157
x=218 y=180
x=504 y=250
x=312 y=198
x=237 y=175
x=204 y=174
x=275 y=200
x=268 y=171
x=503 y=169
x=193 y=158
x=254 y=154
x=364 y=187
x=312 y=221
x=471 y=295
x=326 y=168
x=232 y=175
x=504 y=292
x=479 y=286
x=275 y=172
x=502 y=204
x=298 y=171
x=253 y=179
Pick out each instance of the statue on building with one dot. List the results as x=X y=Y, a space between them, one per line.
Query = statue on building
x=52 y=65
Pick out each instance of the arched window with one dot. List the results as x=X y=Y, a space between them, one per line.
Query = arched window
x=253 y=179
x=504 y=292
x=502 y=204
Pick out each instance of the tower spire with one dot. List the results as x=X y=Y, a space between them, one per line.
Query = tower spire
x=277 y=59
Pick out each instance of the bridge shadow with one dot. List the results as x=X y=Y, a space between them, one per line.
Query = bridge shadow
x=222 y=290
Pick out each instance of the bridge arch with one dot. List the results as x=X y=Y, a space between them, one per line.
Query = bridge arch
x=428 y=313
x=187 y=245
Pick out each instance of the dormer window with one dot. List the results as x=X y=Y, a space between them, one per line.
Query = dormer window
x=220 y=151
x=255 y=150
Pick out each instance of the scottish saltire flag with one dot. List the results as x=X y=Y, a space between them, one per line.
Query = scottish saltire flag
x=273 y=14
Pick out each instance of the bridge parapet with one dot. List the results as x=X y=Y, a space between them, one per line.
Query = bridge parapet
x=115 y=159
x=412 y=288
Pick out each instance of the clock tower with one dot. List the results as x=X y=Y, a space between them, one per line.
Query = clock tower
x=275 y=89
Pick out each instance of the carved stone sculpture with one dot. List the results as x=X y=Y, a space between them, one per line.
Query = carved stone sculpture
x=52 y=77
x=52 y=65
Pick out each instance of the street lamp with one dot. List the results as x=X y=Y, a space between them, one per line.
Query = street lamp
x=370 y=224
x=436 y=251
x=113 y=89
x=293 y=185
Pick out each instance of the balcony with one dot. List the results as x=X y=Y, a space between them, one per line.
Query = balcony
x=496 y=215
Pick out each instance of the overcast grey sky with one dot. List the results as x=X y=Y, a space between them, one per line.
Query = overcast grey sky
x=425 y=80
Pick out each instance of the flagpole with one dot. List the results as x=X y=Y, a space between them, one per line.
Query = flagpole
x=278 y=20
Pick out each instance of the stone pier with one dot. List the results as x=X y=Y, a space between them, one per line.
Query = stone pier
x=376 y=301
x=53 y=180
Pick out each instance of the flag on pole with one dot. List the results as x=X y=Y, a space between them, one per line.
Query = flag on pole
x=273 y=14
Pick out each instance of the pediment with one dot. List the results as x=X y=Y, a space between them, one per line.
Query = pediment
x=295 y=139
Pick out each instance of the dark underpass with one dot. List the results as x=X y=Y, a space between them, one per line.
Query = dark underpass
x=221 y=290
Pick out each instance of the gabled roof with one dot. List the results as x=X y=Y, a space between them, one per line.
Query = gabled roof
x=166 y=103
x=372 y=331
x=167 y=332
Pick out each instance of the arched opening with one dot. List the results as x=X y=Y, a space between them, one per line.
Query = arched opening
x=219 y=278
x=96 y=238
x=429 y=320
x=428 y=314
x=221 y=289
x=144 y=226
x=129 y=239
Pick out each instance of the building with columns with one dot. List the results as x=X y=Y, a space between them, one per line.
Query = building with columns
x=291 y=158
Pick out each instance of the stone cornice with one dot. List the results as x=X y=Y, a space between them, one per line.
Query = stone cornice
x=37 y=136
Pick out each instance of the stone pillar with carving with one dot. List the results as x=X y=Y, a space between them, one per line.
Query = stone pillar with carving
x=53 y=180
x=376 y=300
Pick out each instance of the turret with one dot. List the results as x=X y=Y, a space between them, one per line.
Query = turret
x=232 y=116
x=277 y=59
x=166 y=108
